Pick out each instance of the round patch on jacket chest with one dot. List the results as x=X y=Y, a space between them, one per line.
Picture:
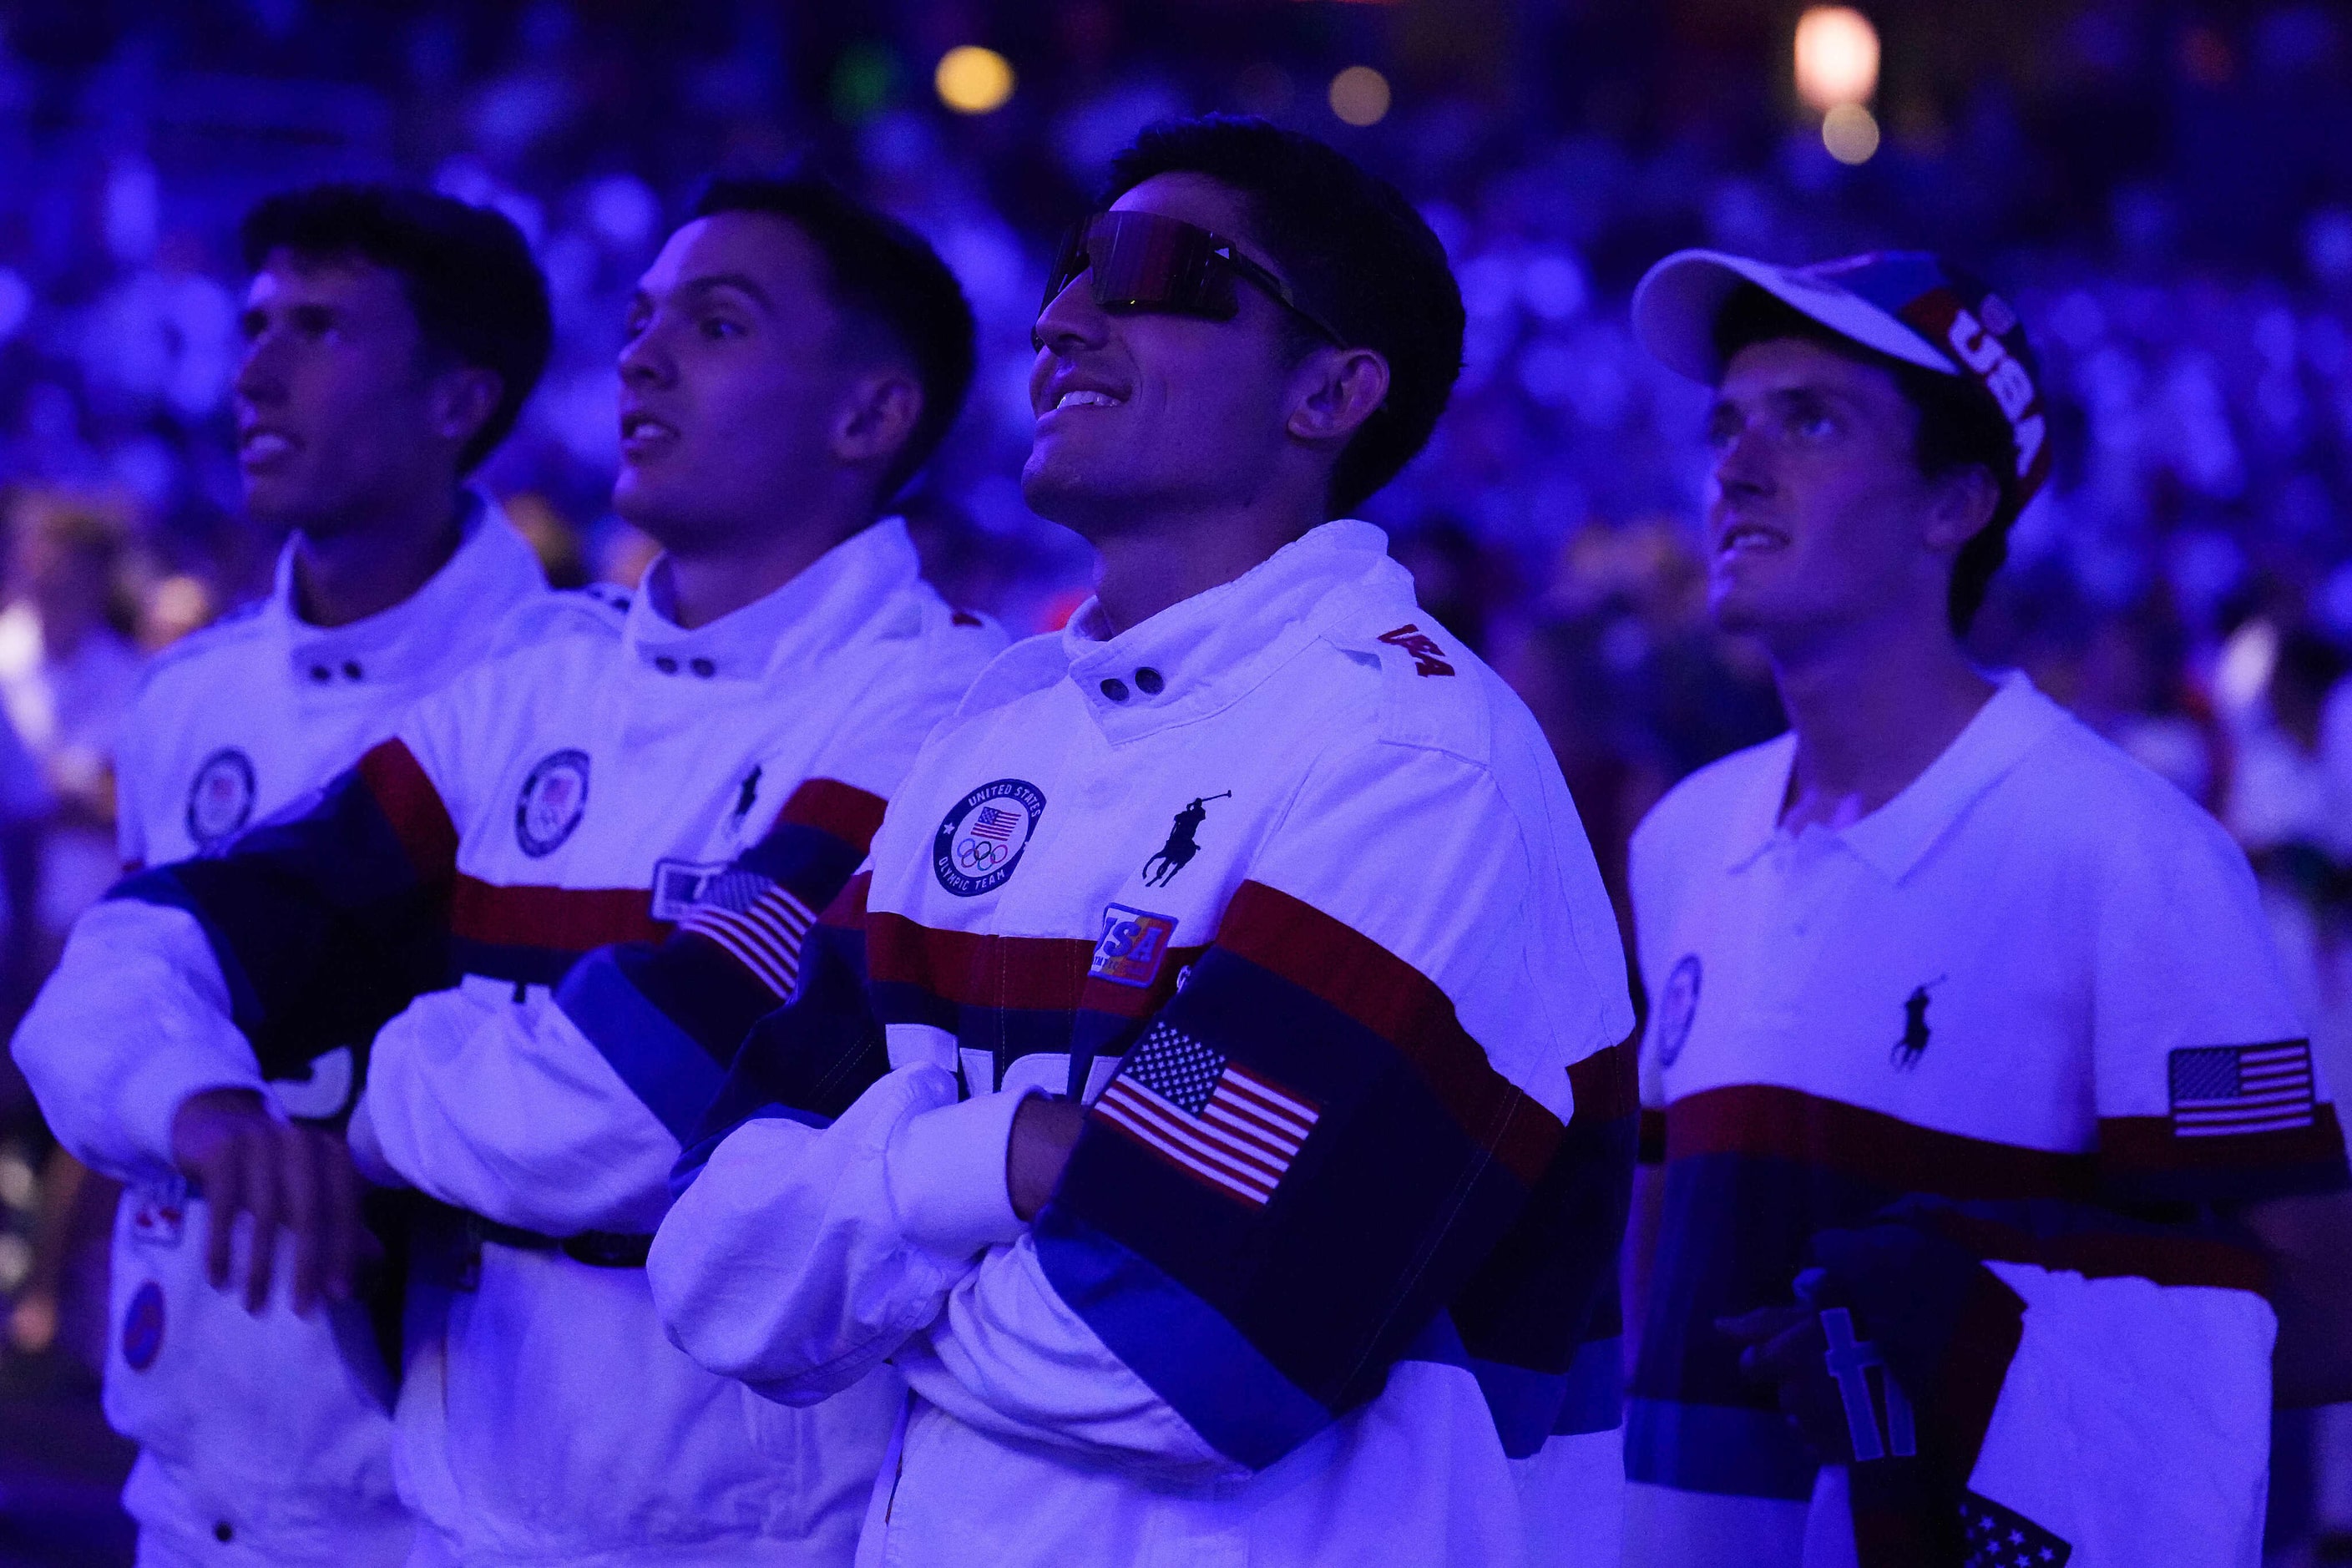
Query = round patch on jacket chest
x=220 y=797
x=143 y=1327
x=1677 y=1009
x=555 y=798
x=981 y=841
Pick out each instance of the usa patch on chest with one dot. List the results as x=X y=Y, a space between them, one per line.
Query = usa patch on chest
x=1132 y=944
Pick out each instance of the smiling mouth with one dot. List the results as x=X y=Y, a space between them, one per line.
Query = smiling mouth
x=1747 y=538
x=638 y=429
x=1085 y=399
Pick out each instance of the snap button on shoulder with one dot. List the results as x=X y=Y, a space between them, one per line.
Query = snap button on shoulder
x=223 y=1532
x=351 y=669
x=666 y=664
x=1115 y=689
x=705 y=668
x=321 y=673
x=1148 y=682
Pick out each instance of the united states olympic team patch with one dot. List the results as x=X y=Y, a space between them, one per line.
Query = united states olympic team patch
x=554 y=796
x=981 y=841
x=220 y=797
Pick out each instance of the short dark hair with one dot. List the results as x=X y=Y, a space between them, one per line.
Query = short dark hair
x=1959 y=426
x=466 y=271
x=884 y=273
x=1357 y=254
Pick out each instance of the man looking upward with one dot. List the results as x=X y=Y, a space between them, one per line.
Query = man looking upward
x=1994 y=1152
x=1247 y=1160
x=791 y=359
x=392 y=337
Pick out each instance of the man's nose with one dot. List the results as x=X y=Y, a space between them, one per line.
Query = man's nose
x=1071 y=319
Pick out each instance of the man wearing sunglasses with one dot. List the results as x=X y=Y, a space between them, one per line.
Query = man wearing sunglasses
x=1243 y=1146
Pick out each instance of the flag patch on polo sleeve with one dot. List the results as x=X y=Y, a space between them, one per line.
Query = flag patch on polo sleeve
x=2217 y=1090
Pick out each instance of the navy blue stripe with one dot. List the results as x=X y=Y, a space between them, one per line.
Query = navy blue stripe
x=666 y=1068
x=514 y=965
x=1386 y=1210
x=1594 y=1399
x=1236 y=1399
x=317 y=921
x=815 y=1056
x=1530 y=1407
x=700 y=988
x=808 y=862
x=1717 y=1448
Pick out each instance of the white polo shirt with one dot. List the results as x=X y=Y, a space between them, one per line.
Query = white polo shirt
x=2040 y=971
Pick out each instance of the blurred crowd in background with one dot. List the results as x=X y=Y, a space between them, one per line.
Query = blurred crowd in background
x=2165 y=190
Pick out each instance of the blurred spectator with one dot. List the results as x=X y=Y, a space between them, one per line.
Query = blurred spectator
x=68 y=674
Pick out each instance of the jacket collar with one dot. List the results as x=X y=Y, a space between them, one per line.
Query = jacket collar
x=492 y=569
x=1895 y=838
x=1206 y=652
x=847 y=593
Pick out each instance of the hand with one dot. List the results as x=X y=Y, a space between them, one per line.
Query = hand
x=243 y=1160
x=1787 y=1348
x=1044 y=1129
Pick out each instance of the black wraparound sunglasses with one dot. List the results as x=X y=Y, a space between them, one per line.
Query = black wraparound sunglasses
x=1142 y=261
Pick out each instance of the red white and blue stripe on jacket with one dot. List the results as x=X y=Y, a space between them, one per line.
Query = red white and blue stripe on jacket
x=329 y=919
x=1433 y=1212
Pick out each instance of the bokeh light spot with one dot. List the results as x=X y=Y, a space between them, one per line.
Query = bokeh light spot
x=973 y=81
x=1850 y=133
x=1359 y=95
x=1837 y=57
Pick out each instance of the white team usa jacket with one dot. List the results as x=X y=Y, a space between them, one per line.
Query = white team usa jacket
x=269 y=1438
x=608 y=781
x=1287 y=884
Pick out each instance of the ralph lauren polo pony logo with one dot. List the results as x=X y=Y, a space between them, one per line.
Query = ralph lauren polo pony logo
x=1913 y=1043
x=1183 y=842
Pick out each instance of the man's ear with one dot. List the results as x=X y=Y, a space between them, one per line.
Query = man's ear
x=464 y=399
x=1333 y=391
x=877 y=416
x=1965 y=503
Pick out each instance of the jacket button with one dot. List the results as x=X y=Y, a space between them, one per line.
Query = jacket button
x=1147 y=679
x=223 y=1532
x=1115 y=689
x=667 y=665
x=705 y=668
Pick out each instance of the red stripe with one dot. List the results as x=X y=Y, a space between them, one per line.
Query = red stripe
x=847 y=911
x=1766 y=1121
x=1360 y=978
x=2135 y=1143
x=831 y=807
x=413 y=807
x=1026 y=974
x=1608 y=1083
x=564 y=920
x=2172 y=1260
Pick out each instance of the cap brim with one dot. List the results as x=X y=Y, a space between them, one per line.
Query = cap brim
x=1677 y=300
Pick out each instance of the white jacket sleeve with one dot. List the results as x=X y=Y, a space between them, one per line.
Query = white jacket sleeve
x=135 y=1020
x=803 y=1257
x=505 y=1109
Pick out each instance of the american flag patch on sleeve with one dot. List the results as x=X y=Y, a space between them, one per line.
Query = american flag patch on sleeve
x=760 y=924
x=2220 y=1091
x=1214 y=1120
